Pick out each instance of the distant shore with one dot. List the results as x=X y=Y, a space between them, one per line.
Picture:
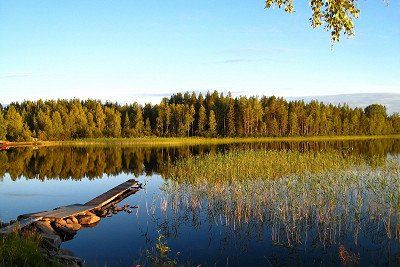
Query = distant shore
x=185 y=141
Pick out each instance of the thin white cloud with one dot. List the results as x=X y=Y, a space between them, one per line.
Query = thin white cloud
x=15 y=75
x=235 y=60
x=245 y=50
x=257 y=50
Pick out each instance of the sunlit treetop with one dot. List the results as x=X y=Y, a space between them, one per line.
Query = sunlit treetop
x=337 y=16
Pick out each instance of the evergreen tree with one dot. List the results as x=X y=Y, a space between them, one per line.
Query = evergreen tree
x=167 y=119
x=189 y=119
x=3 y=126
x=15 y=125
x=376 y=115
x=99 y=119
x=202 y=121
x=160 y=119
x=58 y=127
x=91 y=125
x=79 y=120
x=395 y=120
x=26 y=134
x=231 y=118
x=147 y=127
x=257 y=116
x=138 y=123
x=273 y=127
x=112 y=122
x=126 y=128
x=212 y=123
x=45 y=126
x=293 y=124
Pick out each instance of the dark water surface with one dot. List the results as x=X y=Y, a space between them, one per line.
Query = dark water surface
x=195 y=227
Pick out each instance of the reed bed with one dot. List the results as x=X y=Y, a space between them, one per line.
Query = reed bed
x=301 y=196
x=259 y=164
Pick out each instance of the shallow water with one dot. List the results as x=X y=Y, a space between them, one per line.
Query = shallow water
x=197 y=228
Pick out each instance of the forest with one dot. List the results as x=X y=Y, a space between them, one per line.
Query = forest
x=189 y=114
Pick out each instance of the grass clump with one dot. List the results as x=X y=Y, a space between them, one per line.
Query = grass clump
x=21 y=249
x=160 y=254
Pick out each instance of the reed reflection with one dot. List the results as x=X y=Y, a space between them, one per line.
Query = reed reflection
x=347 y=203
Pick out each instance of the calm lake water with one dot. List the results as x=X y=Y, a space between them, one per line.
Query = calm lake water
x=197 y=226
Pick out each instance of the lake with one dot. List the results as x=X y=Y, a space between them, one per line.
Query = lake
x=352 y=219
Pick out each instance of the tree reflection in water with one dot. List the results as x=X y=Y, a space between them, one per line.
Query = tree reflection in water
x=65 y=162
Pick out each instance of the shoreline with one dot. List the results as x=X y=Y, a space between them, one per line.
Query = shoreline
x=188 y=141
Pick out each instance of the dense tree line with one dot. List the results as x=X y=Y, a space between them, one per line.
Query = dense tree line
x=190 y=114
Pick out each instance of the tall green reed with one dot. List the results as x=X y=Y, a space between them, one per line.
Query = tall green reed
x=333 y=193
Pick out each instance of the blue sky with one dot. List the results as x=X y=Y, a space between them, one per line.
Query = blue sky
x=141 y=50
